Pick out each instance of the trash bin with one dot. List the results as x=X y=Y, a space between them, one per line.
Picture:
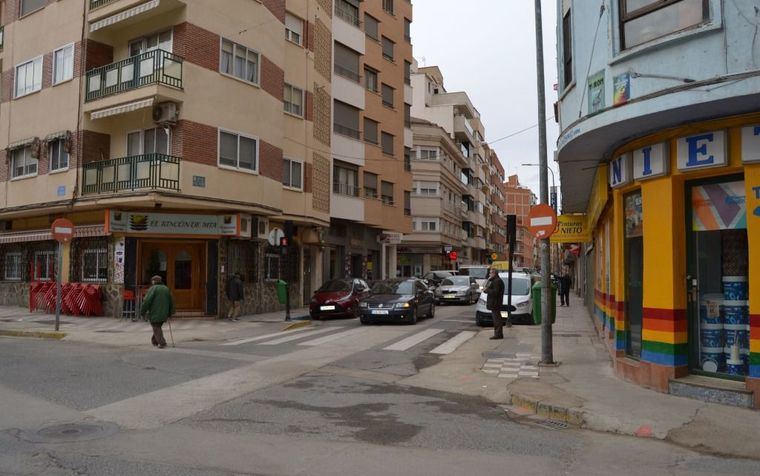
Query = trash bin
x=536 y=296
x=282 y=291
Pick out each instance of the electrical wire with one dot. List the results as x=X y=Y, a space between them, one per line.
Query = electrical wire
x=602 y=9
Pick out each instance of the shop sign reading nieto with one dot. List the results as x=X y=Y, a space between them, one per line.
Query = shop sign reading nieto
x=173 y=224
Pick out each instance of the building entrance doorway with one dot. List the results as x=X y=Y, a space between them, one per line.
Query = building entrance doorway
x=181 y=265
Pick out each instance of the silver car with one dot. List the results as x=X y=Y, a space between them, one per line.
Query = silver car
x=458 y=289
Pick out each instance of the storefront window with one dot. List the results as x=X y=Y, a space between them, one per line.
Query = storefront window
x=634 y=271
x=95 y=265
x=718 y=278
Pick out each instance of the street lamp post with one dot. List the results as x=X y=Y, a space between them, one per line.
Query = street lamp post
x=554 y=187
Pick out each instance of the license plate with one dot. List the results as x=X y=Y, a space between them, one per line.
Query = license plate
x=326 y=308
x=504 y=314
x=449 y=296
x=380 y=311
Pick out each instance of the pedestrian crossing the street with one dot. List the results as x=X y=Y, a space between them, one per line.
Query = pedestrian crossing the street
x=521 y=365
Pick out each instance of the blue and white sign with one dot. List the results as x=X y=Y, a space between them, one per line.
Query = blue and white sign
x=751 y=144
x=620 y=171
x=700 y=151
x=651 y=161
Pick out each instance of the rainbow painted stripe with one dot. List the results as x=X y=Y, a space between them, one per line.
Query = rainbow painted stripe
x=665 y=337
x=611 y=316
x=754 y=345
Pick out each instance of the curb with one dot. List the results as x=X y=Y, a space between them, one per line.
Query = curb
x=36 y=334
x=296 y=325
x=572 y=416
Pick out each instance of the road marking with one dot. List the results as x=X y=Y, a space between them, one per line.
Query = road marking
x=340 y=335
x=471 y=321
x=413 y=340
x=451 y=345
x=300 y=336
x=254 y=339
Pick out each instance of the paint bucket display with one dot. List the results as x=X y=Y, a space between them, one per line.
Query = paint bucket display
x=736 y=334
x=709 y=309
x=735 y=312
x=735 y=288
x=736 y=367
x=712 y=359
x=711 y=335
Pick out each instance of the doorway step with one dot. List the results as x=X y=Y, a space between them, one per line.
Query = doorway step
x=192 y=315
x=713 y=390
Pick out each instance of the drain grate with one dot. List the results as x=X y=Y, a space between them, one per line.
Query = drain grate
x=552 y=424
x=70 y=432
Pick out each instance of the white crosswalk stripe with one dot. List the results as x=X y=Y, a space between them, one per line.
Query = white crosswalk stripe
x=413 y=340
x=452 y=344
x=266 y=336
x=333 y=337
x=300 y=336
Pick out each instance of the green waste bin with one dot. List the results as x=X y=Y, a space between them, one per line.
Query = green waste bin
x=282 y=291
x=536 y=296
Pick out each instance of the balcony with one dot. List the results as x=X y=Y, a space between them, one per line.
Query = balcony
x=106 y=16
x=149 y=171
x=151 y=67
x=99 y=3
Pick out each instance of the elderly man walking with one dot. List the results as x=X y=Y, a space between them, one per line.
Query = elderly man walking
x=159 y=305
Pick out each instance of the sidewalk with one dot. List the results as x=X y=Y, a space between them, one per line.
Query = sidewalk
x=584 y=390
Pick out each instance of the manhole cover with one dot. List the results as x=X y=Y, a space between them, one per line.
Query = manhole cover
x=68 y=432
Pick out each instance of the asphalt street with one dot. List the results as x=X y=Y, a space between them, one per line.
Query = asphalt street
x=328 y=398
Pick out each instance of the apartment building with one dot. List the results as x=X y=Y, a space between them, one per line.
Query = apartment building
x=178 y=136
x=371 y=138
x=496 y=217
x=519 y=199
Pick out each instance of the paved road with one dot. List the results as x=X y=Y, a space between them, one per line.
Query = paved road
x=326 y=399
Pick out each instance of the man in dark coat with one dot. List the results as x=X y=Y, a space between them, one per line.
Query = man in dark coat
x=564 y=289
x=159 y=305
x=236 y=294
x=494 y=289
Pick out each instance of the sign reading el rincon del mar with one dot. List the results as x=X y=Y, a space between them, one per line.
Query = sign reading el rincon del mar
x=172 y=224
x=571 y=229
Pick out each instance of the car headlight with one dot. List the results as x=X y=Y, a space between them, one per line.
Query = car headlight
x=403 y=305
x=363 y=304
x=522 y=304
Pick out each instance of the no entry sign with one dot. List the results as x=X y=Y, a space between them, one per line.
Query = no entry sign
x=63 y=230
x=542 y=221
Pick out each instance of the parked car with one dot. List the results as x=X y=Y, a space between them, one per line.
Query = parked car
x=521 y=300
x=403 y=301
x=338 y=298
x=457 y=289
x=434 y=278
x=479 y=272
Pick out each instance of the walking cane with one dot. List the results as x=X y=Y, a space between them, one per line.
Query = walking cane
x=171 y=334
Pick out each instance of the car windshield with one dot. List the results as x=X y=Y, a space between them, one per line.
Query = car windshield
x=477 y=273
x=393 y=287
x=456 y=281
x=520 y=286
x=334 y=286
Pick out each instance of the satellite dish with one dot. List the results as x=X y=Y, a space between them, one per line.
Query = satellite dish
x=274 y=236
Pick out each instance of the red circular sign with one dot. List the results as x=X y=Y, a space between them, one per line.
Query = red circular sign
x=453 y=256
x=63 y=230
x=542 y=221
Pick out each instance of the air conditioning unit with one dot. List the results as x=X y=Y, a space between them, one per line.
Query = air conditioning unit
x=165 y=113
x=260 y=228
x=245 y=226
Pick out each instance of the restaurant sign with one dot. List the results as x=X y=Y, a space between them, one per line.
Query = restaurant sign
x=571 y=229
x=172 y=223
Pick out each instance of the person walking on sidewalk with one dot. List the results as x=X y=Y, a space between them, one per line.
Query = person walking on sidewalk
x=494 y=289
x=236 y=295
x=159 y=305
x=564 y=289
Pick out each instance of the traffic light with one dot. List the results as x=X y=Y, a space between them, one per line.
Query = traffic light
x=284 y=245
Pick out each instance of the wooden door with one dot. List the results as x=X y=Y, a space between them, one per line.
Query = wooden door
x=181 y=265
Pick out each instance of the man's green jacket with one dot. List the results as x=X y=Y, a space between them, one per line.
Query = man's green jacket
x=158 y=304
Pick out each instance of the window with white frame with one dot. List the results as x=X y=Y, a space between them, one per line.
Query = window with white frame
x=238 y=61
x=13 y=267
x=293 y=29
x=157 y=41
x=28 y=77
x=425 y=224
x=44 y=266
x=272 y=267
x=28 y=6
x=293 y=100
x=427 y=153
x=238 y=151
x=149 y=141
x=95 y=265
x=63 y=64
x=426 y=188
x=59 y=158
x=22 y=162
x=292 y=173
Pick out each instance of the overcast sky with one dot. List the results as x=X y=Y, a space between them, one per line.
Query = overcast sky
x=487 y=49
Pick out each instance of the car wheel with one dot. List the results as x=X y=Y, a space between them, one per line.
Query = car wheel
x=431 y=315
x=413 y=320
x=315 y=317
x=364 y=321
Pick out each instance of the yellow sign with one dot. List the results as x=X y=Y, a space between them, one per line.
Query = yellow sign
x=571 y=229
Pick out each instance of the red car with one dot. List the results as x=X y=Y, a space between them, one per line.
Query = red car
x=338 y=298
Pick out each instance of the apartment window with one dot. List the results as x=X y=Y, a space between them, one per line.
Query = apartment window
x=407 y=72
x=63 y=64
x=22 y=162
x=348 y=10
x=388 y=6
x=387 y=143
x=426 y=188
x=346 y=120
x=408 y=30
x=293 y=100
x=157 y=41
x=346 y=180
x=293 y=29
x=407 y=203
x=646 y=20
x=407 y=116
x=370 y=130
x=427 y=154
x=388 y=48
x=95 y=265
x=347 y=62
x=238 y=151
x=29 y=77
x=149 y=141
x=371 y=27
x=28 y=6
x=387 y=95
x=370 y=80
x=292 y=174
x=59 y=158
x=407 y=159
x=370 y=185
x=567 y=49
x=44 y=266
x=272 y=267
x=386 y=192
x=238 y=61
x=425 y=224
x=13 y=267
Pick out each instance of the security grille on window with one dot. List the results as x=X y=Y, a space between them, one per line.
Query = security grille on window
x=238 y=151
x=388 y=48
x=59 y=158
x=44 y=266
x=347 y=62
x=292 y=173
x=28 y=77
x=646 y=20
x=386 y=192
x=28 y=6
x=370 y=185
x=387 y=143
x=293 y=100
x=22 y=162
x=95 y=265
x=370 y=80
x=293 y=28
x=63 y=64
x=238 y=61
x=388 y=6
x=13 y=267
x=370 y=130
x=371 y=27
x=388 y=93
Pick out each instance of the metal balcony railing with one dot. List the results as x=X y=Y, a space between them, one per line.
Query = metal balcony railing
x=345 y=189
x=346 y=131
x=347 y=73
x=151 y=67
x=149 y=171
x=99 y=3
x=347 y=12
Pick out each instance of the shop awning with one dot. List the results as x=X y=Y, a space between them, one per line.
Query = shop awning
x=121 y=109
x=124 y=15
x=87 y=231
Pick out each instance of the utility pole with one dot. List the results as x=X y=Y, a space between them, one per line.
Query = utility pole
x=547 y=353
